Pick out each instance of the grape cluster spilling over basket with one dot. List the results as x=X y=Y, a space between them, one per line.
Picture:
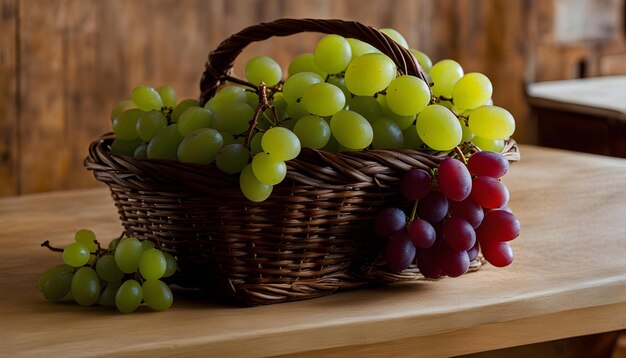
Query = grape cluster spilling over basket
x=362 y=163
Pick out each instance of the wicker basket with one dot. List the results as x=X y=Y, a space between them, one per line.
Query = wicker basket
x=312 y=237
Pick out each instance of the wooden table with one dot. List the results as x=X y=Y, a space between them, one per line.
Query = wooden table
x=568 y=279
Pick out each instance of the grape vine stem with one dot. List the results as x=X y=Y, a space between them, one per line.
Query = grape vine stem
x=459 y=152
x=50 y=247
x=263 y=104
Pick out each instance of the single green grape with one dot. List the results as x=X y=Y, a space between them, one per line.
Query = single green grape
x=402 y=121
x=360 y=48
x=232 y=158
x=323 y=99
x=332 y=145
x=127 y=254
x=255 y=143
x=165 y=144
x=87 y=238
x=305 y=63
x=56 y=283
x=387 y=134
x=281 y=143
x=146 y=98
x=295 y=85
x=141 y=152
x=125 y=124
x=423 y=60
x=366 y=106
x=313 y=132
x=491 y=122
x=113 y=244
x=170 y=267
x=194 y=118
x=407 y=95
x=227 y=96
x=251 y=187
x=147 y=244
x=200 y=146
x=340 y=83
x=125 y=147
x=149 y=124
x=438 y=127
x=152 y=264
x=396 y=36
x=369 y=74
x=157 y=295
x=85 y=286
x=107 y=296
x=489 y=145
x=263 y=69
x=182 y=107
x=412 y=139
x=351 y=130
x=444 y=75
x=107 y=269
x=76 y=254
x=128 y=296
x=467 y=135
x=471 y=91
x=168 y=96
x=233 y=118
x=296 y=110
x=332 y=54
x=120 y=107
x=267 y=169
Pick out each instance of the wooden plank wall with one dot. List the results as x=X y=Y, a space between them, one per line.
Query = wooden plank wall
x=64 y=63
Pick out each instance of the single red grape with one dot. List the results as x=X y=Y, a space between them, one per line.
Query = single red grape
x=458 y=233
x=399 y=251
x=499 y=254
x=427 y=263
x=415 y=184
x=468 y=210
x=455 y=180
x=453 y=262
x=498 y=225
x=489 y=192
x=489 y=164
x=422 y=233
x=389 y=221
x=433 y=207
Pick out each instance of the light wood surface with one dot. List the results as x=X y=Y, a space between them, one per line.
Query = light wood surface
x=568 y=279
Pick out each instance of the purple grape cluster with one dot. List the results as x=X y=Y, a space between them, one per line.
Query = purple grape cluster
x=459 y=212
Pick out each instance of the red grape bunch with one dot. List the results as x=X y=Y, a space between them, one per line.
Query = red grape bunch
x=459 y=211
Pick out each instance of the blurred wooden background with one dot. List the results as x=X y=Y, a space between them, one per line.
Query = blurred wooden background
x=64 y=63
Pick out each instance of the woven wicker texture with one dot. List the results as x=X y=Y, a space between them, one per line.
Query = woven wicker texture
x=312 y=237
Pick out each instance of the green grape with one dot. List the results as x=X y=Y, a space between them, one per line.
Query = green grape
x=267 y=169
x=232 y=158
x=444 y=75
x=423 y=60
x=387 y=134
x=252 y=99
x=332 y=54
x=296 y=110
x=438 y=127
x=366 y=106
x=56 y=283
x=491 y=122
x=113 y=244
x=76 y=254
x=263 y=69
x=471 y=91
x=165 y=144
x=85 y=286
x=313 y=132
x=305 y=63
x=340 y=83
x=149 y=124
x=127 y=254
x=229 y=95
x=128 y=296
x=168 y=96
x=125 y=124
x=107 y=296
x=125 y=147
x=281 y=143
x=200 y=146
x=234 y=118
x=360 y=48
x=146 y=98
x=407 y=95
x=369 y=74
x=141 y=152
x=396 y=36
x=152 y=264
x=107 y=269
x=412 y=139
x=351 y=130
x=171 y=265
x=323 y=99
x=295 y=85
x=120 y=107
x=87 y=238
x=194 y=118
x=182 y=107
x=228 y=138
x=147 y=244
x=255 y=143
x=332 y=145
x=489 y=145
x=402 y=121
x=251 y=187
x=157 y=295
x=467 y=135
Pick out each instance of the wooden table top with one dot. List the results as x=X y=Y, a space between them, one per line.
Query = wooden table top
x=568 y=279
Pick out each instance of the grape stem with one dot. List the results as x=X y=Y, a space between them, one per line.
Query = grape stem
x=263 y=104
x=459 y=152
x=413 y=212
x=50 y=247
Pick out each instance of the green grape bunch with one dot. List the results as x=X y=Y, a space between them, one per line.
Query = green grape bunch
x=126 y=274
x=344 y=95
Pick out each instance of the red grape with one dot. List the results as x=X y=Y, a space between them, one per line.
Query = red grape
x=468 y=210
x=453 y=262
x=389 y=221
x=422 y=233
x=489 y=192
x=489 y=164
x=458 y=233
x=455 y=180
x=427 y=263
x=498 y=225
x=433 y=207
x=473 y=252
x=415 y=184
x=499 y=254
x=399 y=251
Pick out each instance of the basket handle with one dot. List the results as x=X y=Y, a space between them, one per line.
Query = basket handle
x=221 y=59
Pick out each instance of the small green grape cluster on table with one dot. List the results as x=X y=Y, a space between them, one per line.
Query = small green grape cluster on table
x=343 y=96
x=124 y=275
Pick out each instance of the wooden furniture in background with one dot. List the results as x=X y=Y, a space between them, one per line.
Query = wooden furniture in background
x=567 y=280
